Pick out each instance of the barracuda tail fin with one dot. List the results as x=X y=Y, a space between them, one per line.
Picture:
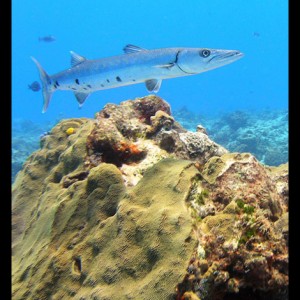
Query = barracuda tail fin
x=46 y=81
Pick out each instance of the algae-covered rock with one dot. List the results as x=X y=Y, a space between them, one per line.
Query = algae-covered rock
x=245 y=238
x=132 y=206
x=142 y=131
x=232 y=171
x=56 y=158
x=199 y=145
x=96 y=241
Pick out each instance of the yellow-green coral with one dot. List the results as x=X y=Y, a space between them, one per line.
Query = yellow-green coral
x=212 y=169
x=200 y=197
x=222 y=225
x=90 y=232
x=231 y=208
x=246 y=208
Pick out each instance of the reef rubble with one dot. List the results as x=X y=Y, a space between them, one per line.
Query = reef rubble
x=130 y=205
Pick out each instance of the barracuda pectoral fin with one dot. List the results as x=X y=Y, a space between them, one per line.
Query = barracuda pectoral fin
x=153 y=85
x=132 y=49
x=76 y=59
x=81 y=97
x=165 y=66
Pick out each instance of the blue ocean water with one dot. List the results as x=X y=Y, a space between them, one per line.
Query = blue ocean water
x=96 y=29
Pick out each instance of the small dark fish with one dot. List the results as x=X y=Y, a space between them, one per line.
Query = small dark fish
x=35 y=86
x=48 y=39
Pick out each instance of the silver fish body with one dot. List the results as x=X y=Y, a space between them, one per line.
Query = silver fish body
x=135 y=66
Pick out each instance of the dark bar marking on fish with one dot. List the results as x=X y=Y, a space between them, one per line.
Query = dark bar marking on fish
x=55 y=86
x=176 y=58
x=73 y=88
x=133 y=79
x=175 y=62
x=118 y=79
x=89 y=86
x=56 y=82
x=107 y=80
x=85 y=88
x=77 y=81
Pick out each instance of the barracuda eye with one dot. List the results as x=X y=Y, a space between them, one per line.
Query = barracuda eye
x=205 y=53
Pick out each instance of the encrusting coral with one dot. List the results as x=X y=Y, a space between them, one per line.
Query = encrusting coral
x=245 y=235
x=142 y=131
x=133 y=206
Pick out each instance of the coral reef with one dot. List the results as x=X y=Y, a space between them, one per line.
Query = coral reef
x=143 y=132
x=243 y=240
x=25 y=140
x=133 y=206
x=93 y=240
x=264 y=133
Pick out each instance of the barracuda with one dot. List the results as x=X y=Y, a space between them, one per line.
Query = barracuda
x=135 y=66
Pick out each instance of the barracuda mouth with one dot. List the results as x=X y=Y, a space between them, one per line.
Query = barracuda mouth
x=227 y=57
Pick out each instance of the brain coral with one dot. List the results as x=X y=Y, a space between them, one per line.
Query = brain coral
x=97 y=242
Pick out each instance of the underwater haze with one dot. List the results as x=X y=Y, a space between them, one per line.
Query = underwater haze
x=97 y=29
x=182 y=194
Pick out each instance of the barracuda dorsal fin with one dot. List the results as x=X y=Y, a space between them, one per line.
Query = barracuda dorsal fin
x=153 y=85
x=132 y=49
x=76 y=59
x=81 y=97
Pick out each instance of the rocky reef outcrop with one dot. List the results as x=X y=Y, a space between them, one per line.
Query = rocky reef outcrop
x=130 y=205
x=136 y=134
x=241 y=214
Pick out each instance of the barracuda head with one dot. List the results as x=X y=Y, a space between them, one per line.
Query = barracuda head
x=197 y=60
